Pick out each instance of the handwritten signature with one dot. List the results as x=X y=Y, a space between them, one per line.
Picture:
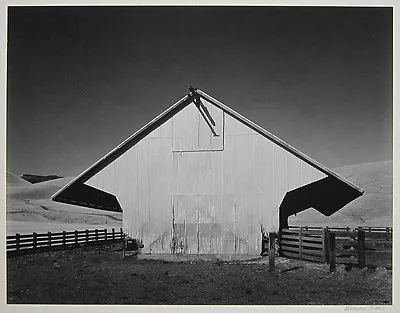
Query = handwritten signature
x=364 y=308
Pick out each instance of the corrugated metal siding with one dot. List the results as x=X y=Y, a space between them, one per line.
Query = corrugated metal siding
x=212 y=195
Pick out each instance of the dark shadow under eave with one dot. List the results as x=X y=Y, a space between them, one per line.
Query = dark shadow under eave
x=87 y=196
x=327 y=196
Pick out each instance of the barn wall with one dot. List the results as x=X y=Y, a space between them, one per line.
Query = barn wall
x=211 y=194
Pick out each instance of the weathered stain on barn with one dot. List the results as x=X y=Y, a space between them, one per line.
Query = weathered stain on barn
x=202 y=179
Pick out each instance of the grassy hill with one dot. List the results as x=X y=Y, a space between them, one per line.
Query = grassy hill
x=13 y=180
x=373 y=208
x=43 y=190
x=29 y=208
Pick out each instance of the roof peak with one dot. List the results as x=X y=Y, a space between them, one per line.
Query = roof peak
x=194 y=96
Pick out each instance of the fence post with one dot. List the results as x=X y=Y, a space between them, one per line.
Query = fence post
x=113 y=233
x=122 y=233
x=49 y=238
x=76 y=236
x=123 y=245
x=271 y=252
x=63 y=241
x=301 y=242
x=34 y=241
x=87 y=235
x=17 y=241
x=96 y=235
x=280 y=253
x=325 y=245
x=105 y=234
x=361 y=249
x=332 y=252
x=387 y=233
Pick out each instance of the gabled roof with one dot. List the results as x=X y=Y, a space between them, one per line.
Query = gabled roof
x=169 y=113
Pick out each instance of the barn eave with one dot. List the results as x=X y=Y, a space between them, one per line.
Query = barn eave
x=88 y=196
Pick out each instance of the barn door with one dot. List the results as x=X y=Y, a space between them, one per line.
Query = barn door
x=203 y=224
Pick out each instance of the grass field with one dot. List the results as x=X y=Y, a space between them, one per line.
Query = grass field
x=30 y=209
x=99 y=275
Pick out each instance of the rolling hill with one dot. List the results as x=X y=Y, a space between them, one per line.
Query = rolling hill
x=36 y=191
x=29 y=208
x=373 y=208
x=13 y=180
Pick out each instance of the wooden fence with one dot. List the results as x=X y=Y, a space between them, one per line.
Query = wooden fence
x=387 y=230
x=303 y=244
x=40 y=241
x=338 y=245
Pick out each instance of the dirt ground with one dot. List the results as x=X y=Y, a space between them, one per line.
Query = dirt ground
x=99 y=275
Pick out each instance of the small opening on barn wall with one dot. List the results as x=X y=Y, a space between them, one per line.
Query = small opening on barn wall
x=198 y=127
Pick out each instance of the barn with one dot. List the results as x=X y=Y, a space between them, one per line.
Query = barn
x=202 y=179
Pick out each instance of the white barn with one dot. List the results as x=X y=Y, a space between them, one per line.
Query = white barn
x=202 y=179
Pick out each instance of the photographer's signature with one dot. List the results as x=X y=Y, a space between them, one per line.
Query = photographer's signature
x=367 y=308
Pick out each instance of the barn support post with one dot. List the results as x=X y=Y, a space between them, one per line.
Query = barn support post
x=325 y=244
x=271 y=252
x=332 y=252
x=361 y=249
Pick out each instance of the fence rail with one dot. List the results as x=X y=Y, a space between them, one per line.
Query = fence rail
x=36 y=241
x=359 y=246
x=382 y=229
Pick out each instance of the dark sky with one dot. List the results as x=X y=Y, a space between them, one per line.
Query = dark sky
x=82 y=79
